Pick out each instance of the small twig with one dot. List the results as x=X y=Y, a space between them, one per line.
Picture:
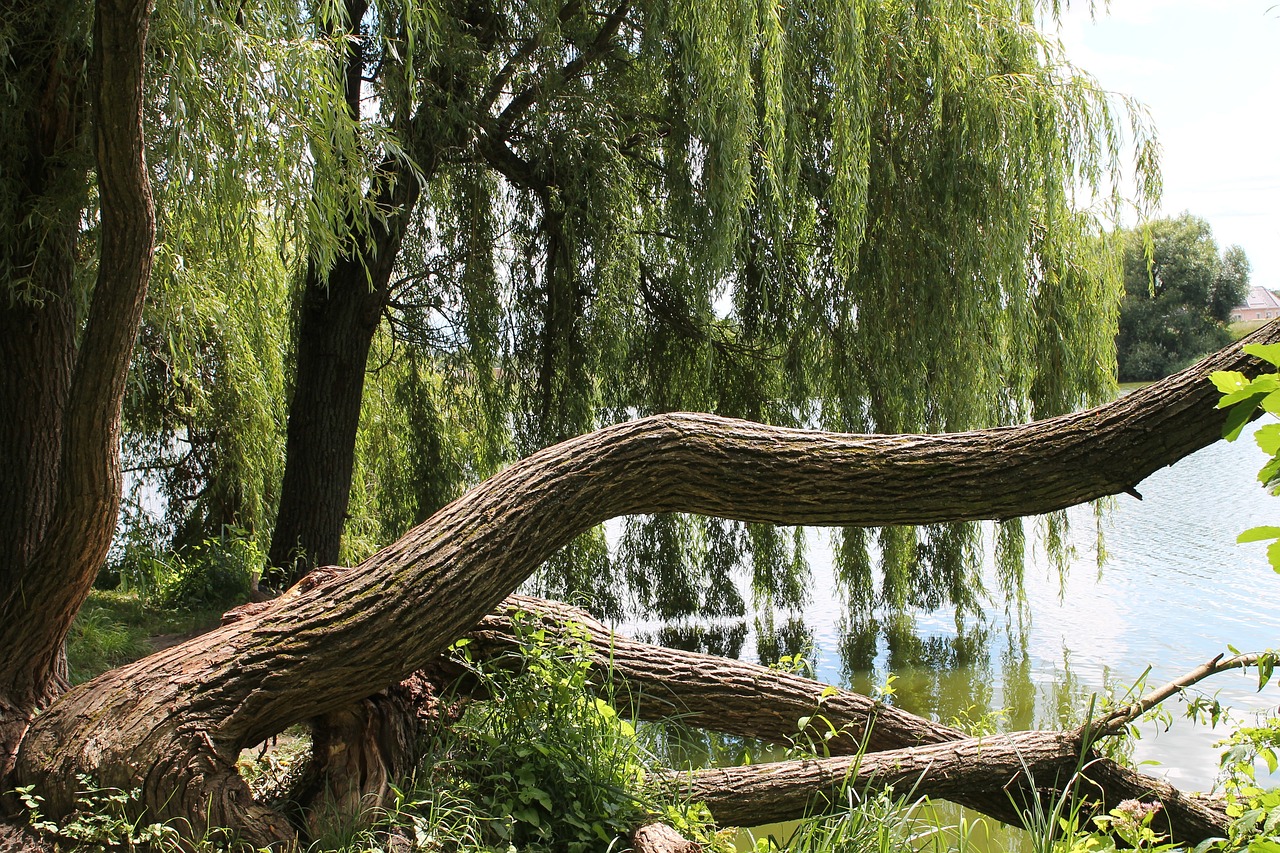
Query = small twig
x=1115 y=721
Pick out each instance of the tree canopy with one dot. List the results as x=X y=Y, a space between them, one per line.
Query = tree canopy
x=546 y=217
x=1179 y=291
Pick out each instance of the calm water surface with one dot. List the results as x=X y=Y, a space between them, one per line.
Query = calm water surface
x=1172 y=591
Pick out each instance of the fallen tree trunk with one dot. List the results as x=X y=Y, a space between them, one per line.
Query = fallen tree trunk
x=721 y=694
x=748 y=700
x=173 y=724
x=1018 y=767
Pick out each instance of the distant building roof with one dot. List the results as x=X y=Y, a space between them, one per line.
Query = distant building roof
x=1260 y=298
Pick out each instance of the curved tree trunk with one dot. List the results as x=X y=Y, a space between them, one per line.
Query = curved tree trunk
x=62 y=537
x=174 y=723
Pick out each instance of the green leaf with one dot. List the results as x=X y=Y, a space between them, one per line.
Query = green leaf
x=1267 y=352
x=1268 y=471
x=1228 y=381
x=1258 y=534
x=1271 y=402
x=1273 y=556
x=1236 y=419
x=1268 y=438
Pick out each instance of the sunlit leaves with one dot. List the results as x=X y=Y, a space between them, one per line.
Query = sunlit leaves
x=831 y=213
x=1244 y=397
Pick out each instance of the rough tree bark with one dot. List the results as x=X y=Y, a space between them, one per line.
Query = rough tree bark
x=1017 y=766
x=340 y=312
x=173 y=724
x=63 y=536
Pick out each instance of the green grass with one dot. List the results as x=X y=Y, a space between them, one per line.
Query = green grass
x=1244 y=327
x=115 y=628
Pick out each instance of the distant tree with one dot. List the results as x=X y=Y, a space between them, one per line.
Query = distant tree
x=1178 y=299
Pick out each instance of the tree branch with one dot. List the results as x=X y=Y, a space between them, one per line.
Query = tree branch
x=1114 y=722
x=535 y=92
x=173 y=724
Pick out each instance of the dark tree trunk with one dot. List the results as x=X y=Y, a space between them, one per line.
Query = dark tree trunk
x=172 y=725
x=37 y=336
x=61 y=528
x=340 y=312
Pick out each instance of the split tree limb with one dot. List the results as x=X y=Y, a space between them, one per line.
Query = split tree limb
x=173 y=724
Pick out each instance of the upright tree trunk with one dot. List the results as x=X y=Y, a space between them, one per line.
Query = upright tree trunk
x=173 y=724
x=339 y=315
x=340 y=312
x=37 y=303
x=61 y=538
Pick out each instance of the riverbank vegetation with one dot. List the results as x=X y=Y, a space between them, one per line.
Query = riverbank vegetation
x=1179 y=292
x=390 y=307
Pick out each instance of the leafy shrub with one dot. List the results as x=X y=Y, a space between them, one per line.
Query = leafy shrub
x=103 y=819
x=214 y=573
x=546 y=764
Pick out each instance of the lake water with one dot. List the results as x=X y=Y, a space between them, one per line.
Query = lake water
x=1173 y=591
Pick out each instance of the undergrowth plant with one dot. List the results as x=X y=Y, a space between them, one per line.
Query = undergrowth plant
x=103 y=820
x=546 y=763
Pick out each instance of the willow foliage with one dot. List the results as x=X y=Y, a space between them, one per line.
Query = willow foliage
x=881 y=216
x=858 y=215
x=257 y=166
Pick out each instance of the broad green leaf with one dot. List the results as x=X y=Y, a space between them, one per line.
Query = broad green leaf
x=1228 y=381
x=1268 y=438
x=1273 y=556
x=1259 y=534
x=1264 y=384
x=1271 y=402
x=1236 y=420
x=1267 y=352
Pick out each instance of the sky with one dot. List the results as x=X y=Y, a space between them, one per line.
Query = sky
x=1209 y=73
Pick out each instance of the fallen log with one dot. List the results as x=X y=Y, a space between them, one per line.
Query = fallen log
x=710 y=692
x=660 y=838
x=997 y=775
x=1019 y=766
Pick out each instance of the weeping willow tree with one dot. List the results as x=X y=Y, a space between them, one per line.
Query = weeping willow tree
x=882 y=216
x=437 y=238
